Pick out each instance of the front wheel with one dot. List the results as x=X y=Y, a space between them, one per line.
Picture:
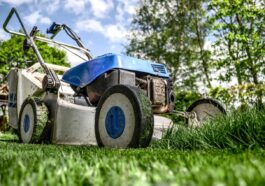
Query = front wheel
x=203 y=110
x=124 y=118
x=32 y=121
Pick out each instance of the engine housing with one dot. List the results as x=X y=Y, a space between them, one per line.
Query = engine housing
x=157 y=89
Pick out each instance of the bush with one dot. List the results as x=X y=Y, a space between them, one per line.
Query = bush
x=240 y=95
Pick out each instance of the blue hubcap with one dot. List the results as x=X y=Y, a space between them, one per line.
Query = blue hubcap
x=26 y=123
x=115 y=122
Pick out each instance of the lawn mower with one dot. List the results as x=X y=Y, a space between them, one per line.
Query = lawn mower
x=112 y=100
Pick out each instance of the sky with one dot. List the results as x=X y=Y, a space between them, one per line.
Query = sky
x=103 y=25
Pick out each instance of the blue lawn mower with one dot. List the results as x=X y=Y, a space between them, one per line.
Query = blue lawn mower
x=112 y=100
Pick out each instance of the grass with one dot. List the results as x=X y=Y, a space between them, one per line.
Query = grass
x=238 y=130
x=227 y=151
x=64 y=165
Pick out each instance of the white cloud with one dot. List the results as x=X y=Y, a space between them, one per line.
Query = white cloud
x=115 y=33
x=35 y=17
x=16 y=2
x=49 y=6
x=4 y=35
x=74 y=59
x=100 y=8
x=32 y=18
x=125 y=7
x=90 y=25
x=120 y=13
x=129 y=6
x=45 y=20
x=75 y=6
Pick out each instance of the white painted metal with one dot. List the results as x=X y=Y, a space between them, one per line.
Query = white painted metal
x=23 y=83
x=12 y=78
x=54 y=67
x=27 y=86
x=74 y=124
x=161 y=124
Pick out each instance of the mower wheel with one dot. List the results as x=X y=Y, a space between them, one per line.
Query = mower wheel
x=32 y=121
x=204 y=110
x=124 y=118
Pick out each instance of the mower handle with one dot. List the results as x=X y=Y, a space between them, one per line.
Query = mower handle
x=54 y=80
x=43 y=39
x=13 y=10
x=34 y=47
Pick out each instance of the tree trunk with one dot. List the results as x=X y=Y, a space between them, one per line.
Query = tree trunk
x=200 y=41
x=235 y=59
x=253 y=70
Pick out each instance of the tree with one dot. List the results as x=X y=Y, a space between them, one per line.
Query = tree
x=173 y=32
x=12 y=54
x=239 y=28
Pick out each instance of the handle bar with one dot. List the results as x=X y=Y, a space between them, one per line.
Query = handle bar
x=30 y=39
x=54 y=80
x=43 y=39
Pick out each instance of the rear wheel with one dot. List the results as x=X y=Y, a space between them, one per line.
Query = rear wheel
x=203 y=110
x=32 y=121
x=124 y=118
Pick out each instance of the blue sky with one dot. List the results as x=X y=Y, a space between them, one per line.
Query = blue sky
x=103 y=25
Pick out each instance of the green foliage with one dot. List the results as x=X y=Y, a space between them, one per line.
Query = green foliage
x=173 y=32
x=185 y=98
x=239 y=96
x=12 y=54
x=242 y=129
x=240 y=41
x=222 y=94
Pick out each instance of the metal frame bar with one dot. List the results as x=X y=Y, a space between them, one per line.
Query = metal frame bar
x=34 y=47
x=55 y=82
x=43 y=39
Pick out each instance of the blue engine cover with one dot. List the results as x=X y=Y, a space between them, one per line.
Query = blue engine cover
x=85 y=73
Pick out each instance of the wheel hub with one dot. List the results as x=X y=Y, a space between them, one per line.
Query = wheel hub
x=26 y=123
x=115 y=122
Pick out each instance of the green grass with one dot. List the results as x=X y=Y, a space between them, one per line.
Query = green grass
x=238 y=130
x=228 y=151
x=63 y=165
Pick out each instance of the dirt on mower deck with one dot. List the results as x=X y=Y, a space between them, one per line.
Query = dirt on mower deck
x=3 y=94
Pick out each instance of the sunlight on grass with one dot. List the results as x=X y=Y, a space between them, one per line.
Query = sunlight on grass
x=226 y=151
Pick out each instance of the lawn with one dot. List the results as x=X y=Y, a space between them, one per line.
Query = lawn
x=64 y=165
x=198 y=162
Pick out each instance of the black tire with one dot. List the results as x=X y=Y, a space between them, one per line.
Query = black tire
x=31 y=121
x=127 y=110
x=213 y=106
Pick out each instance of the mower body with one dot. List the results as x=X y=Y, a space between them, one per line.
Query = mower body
x=85 y=73
x=72 y=120
x=94 y=77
